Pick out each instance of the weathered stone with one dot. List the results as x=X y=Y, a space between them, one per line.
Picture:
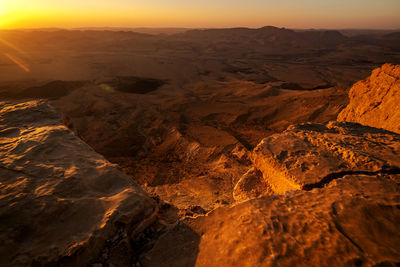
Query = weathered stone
x=251 y=185
x=352 y=221
x=346 y=214
x=309 y=155
x=60 y=201
x=375 y=100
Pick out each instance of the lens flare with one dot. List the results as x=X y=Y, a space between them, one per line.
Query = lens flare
x=13 y=47
x=19 y=62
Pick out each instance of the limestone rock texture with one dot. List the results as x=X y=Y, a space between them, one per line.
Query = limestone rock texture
x=375 y=100
x=251 y=185
x=331 y=198
x=353 y=221
x=60 y=200
x=309 y=155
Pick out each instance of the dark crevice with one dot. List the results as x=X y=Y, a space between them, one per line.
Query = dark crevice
x=333 y=176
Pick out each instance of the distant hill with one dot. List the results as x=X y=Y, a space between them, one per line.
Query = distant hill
x=356 y=32
x=267 y=36
x=145 y=30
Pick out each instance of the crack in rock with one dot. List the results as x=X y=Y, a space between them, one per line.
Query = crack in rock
x=333 y=176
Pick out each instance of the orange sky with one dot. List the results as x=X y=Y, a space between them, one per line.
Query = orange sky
x=207 y=13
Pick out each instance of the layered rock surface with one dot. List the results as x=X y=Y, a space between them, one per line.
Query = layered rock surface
x=334 y=195
x=309 y=155
x=375 y=100
x=59 y=200
x=353 y=221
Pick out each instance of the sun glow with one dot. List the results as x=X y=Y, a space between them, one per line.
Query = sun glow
x=4 y=16
x=191 y=13
x=2 y=13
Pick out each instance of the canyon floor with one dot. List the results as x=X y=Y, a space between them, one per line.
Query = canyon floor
x=229 y=147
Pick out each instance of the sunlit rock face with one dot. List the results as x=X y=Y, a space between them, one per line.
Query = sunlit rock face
x=352 y=221
x=316 y=195
x=331 y=198
x=251 y=185
x=59 y=200
x=375 y=100
x=310 y=155
x=313 y=195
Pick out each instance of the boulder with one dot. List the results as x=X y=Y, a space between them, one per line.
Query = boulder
x=353 y=221
x=375 y=100
x=310 y=155
x=332 y=196
x=60 y=201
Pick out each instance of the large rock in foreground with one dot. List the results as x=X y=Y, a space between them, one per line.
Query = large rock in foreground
x=353 y=221
x=59 y=200
x=338 y=205
x=310 y=155
x=375 y=101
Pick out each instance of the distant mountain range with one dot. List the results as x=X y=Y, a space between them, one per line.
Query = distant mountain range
x=175 y=30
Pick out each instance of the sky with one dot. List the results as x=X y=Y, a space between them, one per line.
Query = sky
x=328 y=14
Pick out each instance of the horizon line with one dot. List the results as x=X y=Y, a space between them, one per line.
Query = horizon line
x=192 y=28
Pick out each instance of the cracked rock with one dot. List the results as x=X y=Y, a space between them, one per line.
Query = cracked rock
x=353 y=221
x=310 y=155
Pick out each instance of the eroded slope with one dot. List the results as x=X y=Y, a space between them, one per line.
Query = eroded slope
x=190 y=149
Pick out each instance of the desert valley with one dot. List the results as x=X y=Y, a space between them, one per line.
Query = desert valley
x=199 y=147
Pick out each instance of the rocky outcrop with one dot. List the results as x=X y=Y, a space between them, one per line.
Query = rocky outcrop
x=317 y=195
x=60 y=201
x=353 y=221
x=375 y=100
x=333 y=193
x=309 y=155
